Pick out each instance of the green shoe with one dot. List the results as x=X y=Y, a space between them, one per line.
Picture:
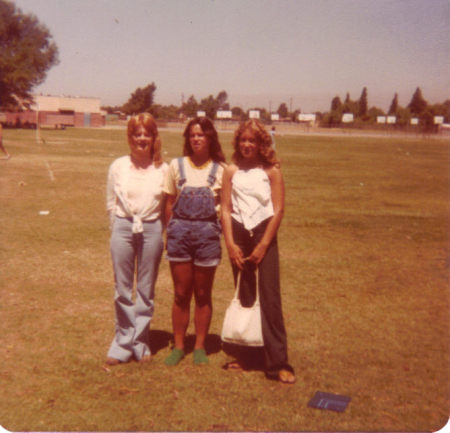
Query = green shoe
x=200 y=357
x=175 y=357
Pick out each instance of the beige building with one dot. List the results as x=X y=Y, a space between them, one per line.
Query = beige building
x=59 y=111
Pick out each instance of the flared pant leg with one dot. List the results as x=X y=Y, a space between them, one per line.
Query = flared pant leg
x=273 y=329
x=132 y=254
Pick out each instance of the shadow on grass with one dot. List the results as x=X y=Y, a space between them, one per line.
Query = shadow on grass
x=161 y=339
x=250 y=358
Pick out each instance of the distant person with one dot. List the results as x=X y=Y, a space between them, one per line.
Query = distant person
x=2 y=147
x=193 y=187
x=252 y=208
x=272 y=136
x=135 y=202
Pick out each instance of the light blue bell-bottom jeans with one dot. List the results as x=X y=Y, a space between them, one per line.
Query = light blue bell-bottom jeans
x=134 y=254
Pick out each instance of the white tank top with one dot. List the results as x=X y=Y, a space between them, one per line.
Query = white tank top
x=251 y=197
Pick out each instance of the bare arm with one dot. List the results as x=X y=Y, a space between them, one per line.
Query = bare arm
x=163 y=210
x=277 y=187
x=235 y=253
x=169 y=202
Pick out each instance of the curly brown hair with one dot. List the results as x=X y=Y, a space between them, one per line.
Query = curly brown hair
x=147 y=121
x=266 y=151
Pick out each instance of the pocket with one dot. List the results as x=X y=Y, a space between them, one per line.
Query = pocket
x=213 y=229
x=172 y=226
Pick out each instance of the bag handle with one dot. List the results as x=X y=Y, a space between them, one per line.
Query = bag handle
x=238 y=281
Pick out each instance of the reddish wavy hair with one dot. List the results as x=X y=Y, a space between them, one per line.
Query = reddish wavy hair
x=147 y=121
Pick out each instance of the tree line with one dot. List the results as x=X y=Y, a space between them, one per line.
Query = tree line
x=142 y=100
x=417 y=108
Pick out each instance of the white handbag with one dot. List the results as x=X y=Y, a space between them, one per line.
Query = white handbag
x=242 y=325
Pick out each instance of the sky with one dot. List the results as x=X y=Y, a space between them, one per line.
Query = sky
x=261 y=52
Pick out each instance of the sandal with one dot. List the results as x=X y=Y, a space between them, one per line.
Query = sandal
x=175 y=357
x=233 y=366
x=286 y=376
x=200 y=357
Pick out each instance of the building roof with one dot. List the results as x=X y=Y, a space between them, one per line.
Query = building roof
x=66 y=103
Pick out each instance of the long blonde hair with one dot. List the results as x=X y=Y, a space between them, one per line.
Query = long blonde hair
x=147 y=121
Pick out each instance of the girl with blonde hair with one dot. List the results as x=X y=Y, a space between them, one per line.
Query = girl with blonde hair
x=252 y=208
x=135 y=201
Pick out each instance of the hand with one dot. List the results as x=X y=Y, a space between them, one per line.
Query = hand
x=258 y=254
x=236 y=256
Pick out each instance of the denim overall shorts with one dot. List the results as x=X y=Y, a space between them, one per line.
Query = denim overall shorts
x=193 y=233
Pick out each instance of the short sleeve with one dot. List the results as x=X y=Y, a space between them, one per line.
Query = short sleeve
x=170 y=180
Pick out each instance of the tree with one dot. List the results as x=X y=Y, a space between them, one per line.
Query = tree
x=166 y=112
x=27 y=53
x=141 y=100
x=417 y=105
x=294 y=115
x=238 y=113
x=222 y=101
x=336 y=103
x=403 y=116
x=363 y=104
x=211 y=105
x=190 y=107
x=394 y=105
x=373 y=113
x=283 y=111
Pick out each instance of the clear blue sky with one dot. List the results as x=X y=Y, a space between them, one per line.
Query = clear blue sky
x=261 y=52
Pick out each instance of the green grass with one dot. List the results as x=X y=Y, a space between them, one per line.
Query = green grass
x=364 y=263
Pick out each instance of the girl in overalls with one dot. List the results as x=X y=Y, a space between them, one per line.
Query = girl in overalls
x=252 y=208
x=193 y=187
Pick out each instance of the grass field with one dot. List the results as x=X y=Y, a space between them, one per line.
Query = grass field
x=364 y=252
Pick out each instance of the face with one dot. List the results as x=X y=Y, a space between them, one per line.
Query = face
x=140 y=143
x=248 y=145
x=198 y=141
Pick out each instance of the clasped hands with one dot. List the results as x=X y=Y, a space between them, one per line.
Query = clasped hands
x=237 y=256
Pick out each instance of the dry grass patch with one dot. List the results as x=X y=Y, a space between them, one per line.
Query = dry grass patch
x=364 y=261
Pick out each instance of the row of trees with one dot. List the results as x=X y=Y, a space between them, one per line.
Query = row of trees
x=418 y=108
x=142 y=99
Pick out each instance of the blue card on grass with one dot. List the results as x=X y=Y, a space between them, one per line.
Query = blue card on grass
x=325 y=400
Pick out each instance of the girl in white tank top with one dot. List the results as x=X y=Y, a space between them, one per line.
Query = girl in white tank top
x=252 y=206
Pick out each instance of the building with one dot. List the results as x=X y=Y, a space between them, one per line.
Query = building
x=59 y=112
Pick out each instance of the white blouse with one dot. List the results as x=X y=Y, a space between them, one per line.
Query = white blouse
x=134 y=193
x=251 y=197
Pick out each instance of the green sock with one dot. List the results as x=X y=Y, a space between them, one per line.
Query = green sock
x=175 y=357
x=200 y=357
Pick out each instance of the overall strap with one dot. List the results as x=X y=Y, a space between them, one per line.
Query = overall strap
x=182 y=180
x=212 y=173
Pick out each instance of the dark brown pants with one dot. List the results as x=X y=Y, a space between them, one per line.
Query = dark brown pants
x=274 y=333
